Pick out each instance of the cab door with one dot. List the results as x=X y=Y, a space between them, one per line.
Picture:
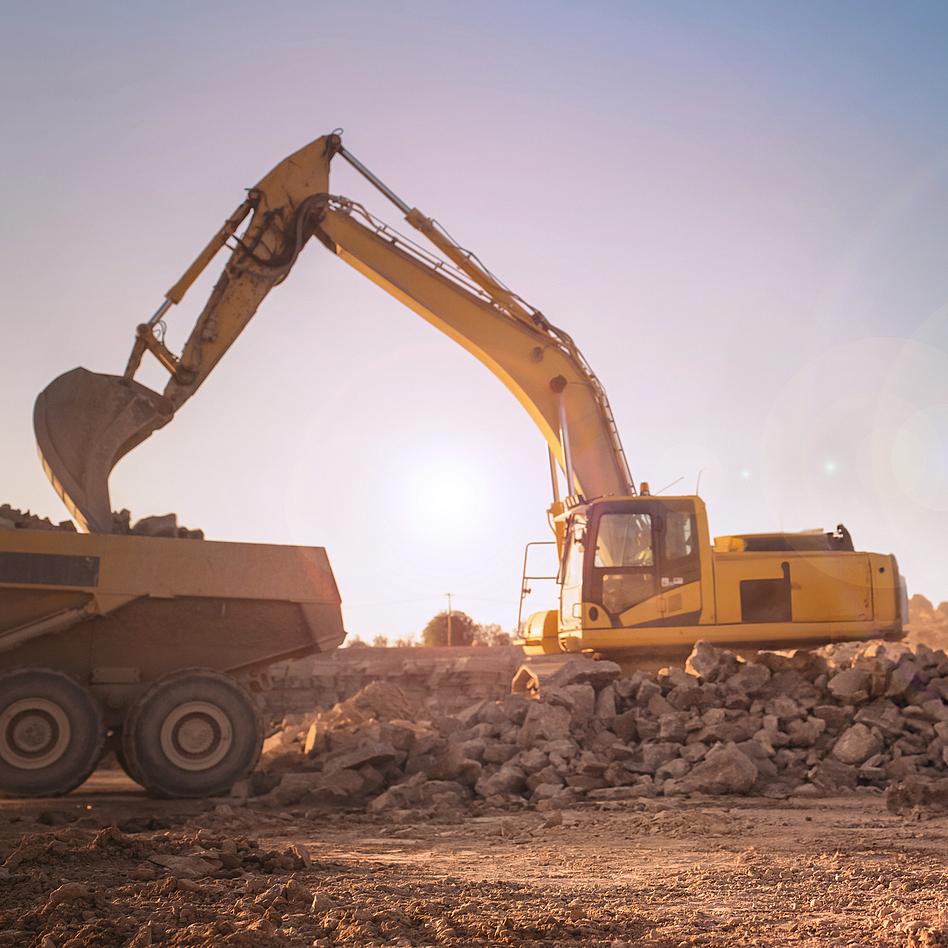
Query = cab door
x=643 y=562
x=622 y=562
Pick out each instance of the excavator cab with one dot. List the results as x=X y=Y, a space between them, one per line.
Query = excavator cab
x=641 y=577
x=631 y=562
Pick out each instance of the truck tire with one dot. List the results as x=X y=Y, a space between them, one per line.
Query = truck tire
x=51 y=733
x=194 y=733
x=123 y=762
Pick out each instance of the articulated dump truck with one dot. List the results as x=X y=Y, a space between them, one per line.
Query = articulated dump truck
x=150 y=647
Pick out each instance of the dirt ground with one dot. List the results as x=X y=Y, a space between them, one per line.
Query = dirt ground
x=108 y=866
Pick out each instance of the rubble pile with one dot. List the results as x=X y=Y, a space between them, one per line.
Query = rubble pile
x=165 y=525
x=801 y=724
x=13 y=519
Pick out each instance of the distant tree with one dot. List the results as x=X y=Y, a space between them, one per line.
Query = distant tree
x=463 y=629
x=353 y=641
x=491 y=634
x=405 y=643
x=380 y=641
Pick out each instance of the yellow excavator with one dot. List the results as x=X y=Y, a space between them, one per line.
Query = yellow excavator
x=639 y=575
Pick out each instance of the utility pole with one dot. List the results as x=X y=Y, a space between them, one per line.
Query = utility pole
x=450 y=636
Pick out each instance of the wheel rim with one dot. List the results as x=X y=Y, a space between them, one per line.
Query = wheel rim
x=34 y=733
x=196 y=735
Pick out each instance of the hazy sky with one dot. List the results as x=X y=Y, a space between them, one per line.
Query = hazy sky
x=738 y=210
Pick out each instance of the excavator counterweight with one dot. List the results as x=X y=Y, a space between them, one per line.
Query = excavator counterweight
x=85 y=423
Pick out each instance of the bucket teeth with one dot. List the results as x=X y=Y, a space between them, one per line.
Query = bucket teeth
x=85 y=422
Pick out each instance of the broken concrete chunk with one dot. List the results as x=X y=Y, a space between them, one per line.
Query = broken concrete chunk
x=372 y=752
x=544 y=722
x=831 y=775
x=850 y=686
x=749 y=678
x=710 y=663
x=725 y=769
x=856 y=744
x=509 y=779
x=165 y=525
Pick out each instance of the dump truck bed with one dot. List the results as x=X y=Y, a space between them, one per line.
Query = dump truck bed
x=125 y=610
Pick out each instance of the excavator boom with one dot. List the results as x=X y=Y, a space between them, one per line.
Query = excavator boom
x=86 y=422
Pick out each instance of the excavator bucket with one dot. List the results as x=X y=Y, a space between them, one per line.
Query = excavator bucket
x=85 y=423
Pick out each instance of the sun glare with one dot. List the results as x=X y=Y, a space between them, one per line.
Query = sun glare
x=445 y=493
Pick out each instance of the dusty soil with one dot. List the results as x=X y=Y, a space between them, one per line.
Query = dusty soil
x=715 y=872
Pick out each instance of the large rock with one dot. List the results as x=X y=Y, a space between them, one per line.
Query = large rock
x=832 y=775
x=884 y=715
x=401 y=796
x=499 y=753
x=672 y=727
x=710 y=663
x=685 y=697
x=558 y=671
x=903 y=676
x=509 y=779
x=749 y=678
x=371 y=752
x=850 y=686
x=652 y=756
x=544 y=722
x=606 y=703
x=454 y=765
x=805 y=733
x=578 y=699
x=165 y=525
x=379 y=699
x=836 y=718
x=341 y=786
x=725 y=769
x=585 y=671
x=877 y=669
x=856 y=744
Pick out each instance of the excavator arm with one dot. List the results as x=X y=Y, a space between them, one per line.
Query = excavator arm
x=86 y=422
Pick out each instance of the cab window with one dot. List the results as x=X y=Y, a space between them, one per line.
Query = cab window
x=625 y=539
x=624 y=563
x=680 y=560
x=679 y=535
